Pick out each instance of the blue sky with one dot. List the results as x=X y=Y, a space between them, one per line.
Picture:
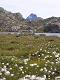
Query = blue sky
x=43 y=8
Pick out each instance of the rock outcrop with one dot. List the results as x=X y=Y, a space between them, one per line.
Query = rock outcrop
x=15 y=22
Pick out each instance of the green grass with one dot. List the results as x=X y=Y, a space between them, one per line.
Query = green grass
x=41 y=51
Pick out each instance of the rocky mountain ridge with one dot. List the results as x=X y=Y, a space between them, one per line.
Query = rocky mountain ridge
x=33 y=17
x=12 y=21
x=15 y=22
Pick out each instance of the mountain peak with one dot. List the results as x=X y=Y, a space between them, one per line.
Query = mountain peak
x=1 y=9
x=33 y=17
x=32 y=14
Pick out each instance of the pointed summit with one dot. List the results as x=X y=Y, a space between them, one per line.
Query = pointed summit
x=1 y=9
x=33 y=17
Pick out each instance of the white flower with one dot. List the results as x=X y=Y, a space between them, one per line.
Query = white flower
x=48 y=52
x=41 y=49
x=10 y=68
x=44 y=68
x=45 y=50
x=16 y=65
x=37 y=65
x=54 y=52
x=4 y=67
x=25 y=63
x=39 y=55
x=3 y=63
x=59 y=58
x=4 y=78
x=36 y=52
x=26 y=60
x=44 y=76
x=21 y=68
x=42 y=54
x=27 y=76
x=26 y=67
x=55 y=69
x=12 y=59
x=48 y=61
x=53 y=73
x=7 y=64
x=50 y=56
x=52 y=63
x=22 y=72
x=33 y=64
x=46 y=64
x=12 y=74
x=49 y=71
x=57 y=55
x=2 y=70
x=38 y=78
x=33 y=77
x=48 y=78
x=0 y=73
x=41 y=69
x=51 y=68
x=1 y=79
x=7 y=73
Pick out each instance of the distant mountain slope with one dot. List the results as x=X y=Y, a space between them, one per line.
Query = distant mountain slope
x=9 y=20
x=51 y=24
x=15 y=22
x=33 y=17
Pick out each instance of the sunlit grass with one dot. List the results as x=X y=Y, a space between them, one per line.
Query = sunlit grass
x=29 y=55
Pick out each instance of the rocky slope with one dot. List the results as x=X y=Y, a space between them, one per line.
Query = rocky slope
x=15 y=22
x=12 y=21
x=51 y=25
